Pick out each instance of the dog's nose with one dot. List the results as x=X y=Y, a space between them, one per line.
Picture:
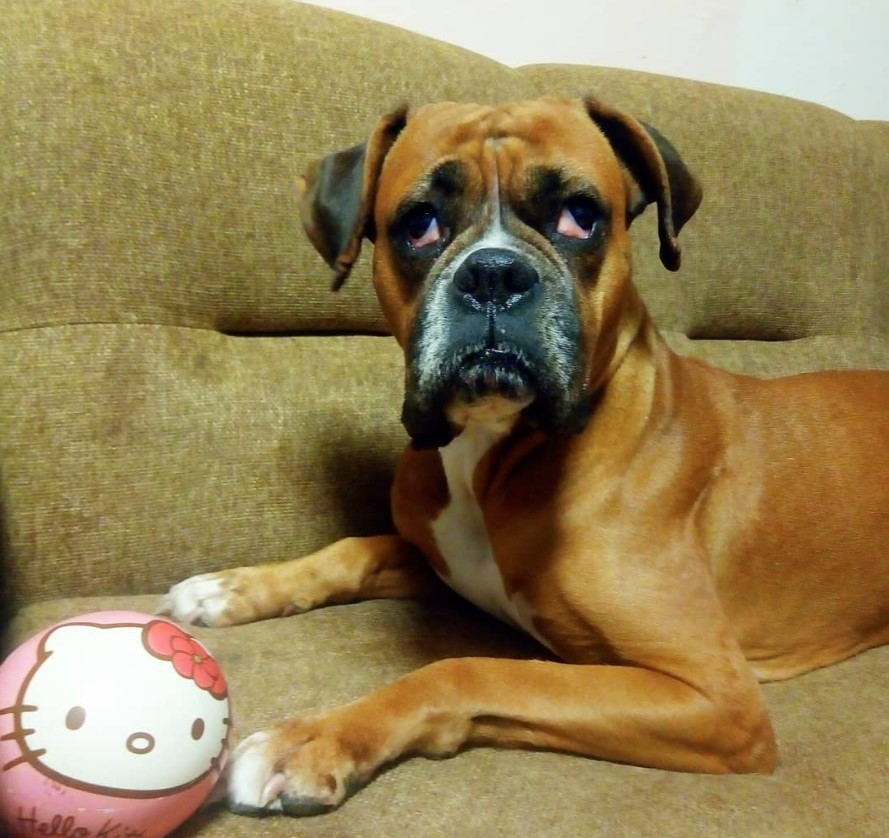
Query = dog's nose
x=495 y=275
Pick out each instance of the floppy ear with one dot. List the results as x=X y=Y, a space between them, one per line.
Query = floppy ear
x=657 y=175
x=337 y=196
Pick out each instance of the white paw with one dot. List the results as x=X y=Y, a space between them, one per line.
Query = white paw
x=300 y=767
x=253 y=784
x=200 y=600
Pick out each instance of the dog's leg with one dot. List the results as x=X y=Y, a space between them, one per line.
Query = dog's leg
x=623 y=713
x=380 y=567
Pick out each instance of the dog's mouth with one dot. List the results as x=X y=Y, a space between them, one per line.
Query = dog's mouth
x=467 y=371
x=490 y=387
x=493 y=372
x=481 y=384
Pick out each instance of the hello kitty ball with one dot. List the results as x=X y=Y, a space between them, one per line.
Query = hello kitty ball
x=112 y=724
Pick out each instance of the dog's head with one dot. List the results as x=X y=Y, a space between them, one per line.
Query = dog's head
x=501 y=258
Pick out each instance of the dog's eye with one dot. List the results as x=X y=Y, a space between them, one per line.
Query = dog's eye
x=578 y=218
x=421 y=226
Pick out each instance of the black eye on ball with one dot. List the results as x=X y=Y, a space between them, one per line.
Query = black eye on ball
x=578 y=217
x=75 y=718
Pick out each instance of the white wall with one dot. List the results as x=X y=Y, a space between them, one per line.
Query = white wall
x=835 y=52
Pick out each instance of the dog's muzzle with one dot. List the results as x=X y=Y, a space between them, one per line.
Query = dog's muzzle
x=496 y=324
x=491 y=283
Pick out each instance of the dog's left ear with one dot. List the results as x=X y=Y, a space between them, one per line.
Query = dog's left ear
x=657 y=174
x=337 y=196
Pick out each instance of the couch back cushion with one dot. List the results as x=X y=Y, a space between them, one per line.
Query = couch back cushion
x=154 y=150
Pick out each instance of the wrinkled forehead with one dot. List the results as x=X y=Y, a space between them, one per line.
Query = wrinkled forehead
x=478 y=145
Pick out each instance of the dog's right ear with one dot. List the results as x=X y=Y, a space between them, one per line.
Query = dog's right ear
x=337 y=196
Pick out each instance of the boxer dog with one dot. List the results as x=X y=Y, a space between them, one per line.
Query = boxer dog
x=673 y=533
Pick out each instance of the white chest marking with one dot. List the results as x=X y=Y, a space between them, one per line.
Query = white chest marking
x=462 y=538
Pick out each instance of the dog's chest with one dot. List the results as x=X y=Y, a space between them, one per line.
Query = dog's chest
x=461 y=535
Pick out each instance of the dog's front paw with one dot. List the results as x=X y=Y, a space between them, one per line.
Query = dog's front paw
x=228 y=598
x=300 y=767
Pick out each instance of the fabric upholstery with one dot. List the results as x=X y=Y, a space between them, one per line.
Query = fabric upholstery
x=180 y=391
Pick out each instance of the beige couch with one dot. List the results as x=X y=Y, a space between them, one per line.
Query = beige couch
x=181 y=392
